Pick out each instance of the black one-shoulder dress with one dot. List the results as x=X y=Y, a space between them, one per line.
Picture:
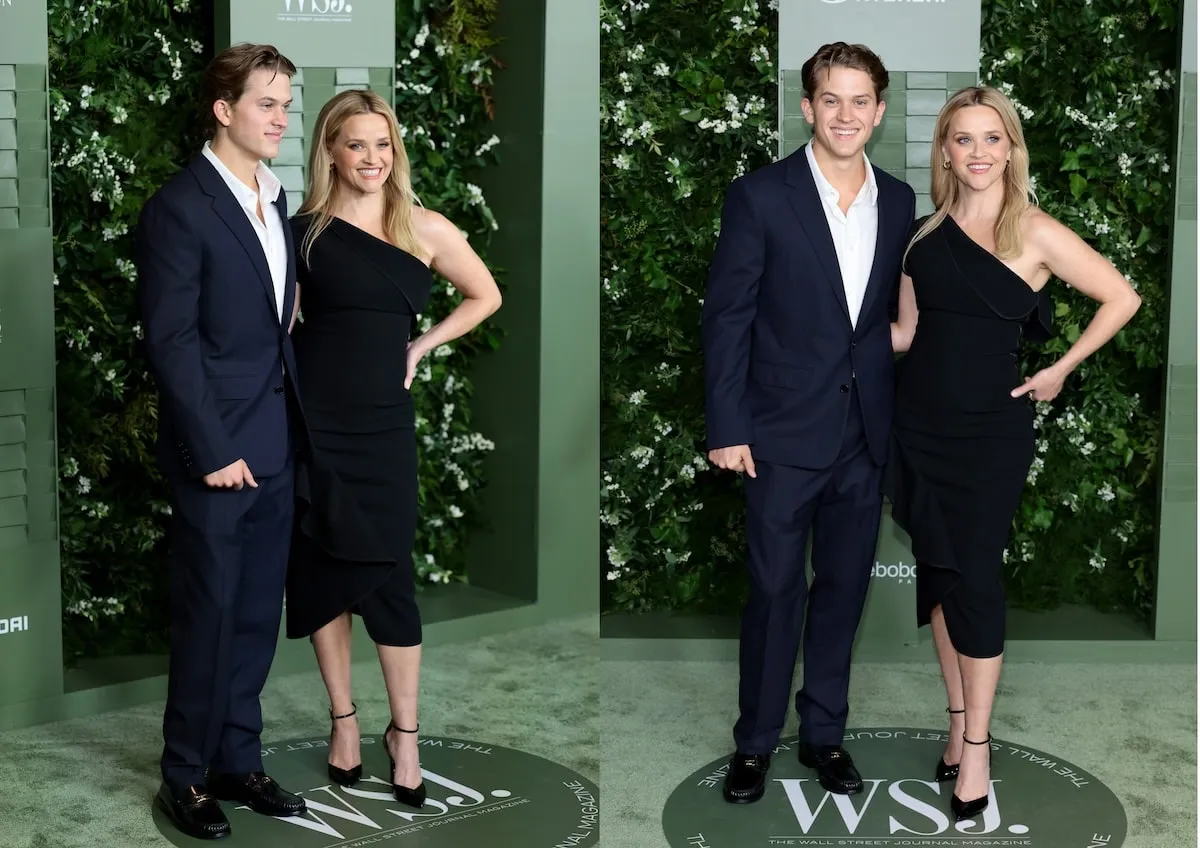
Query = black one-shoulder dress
x=962 y=445
x=356 y=491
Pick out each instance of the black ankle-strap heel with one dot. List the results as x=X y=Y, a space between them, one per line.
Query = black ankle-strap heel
x=340 y=776
x=970 y=809
x=403 y=794
x=945 y=771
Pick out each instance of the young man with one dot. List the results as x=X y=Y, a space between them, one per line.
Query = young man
x=798 y=383
x=217 y=284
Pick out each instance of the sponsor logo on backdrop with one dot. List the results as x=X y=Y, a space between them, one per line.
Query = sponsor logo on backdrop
x=316 y=11
x=16 y=624
x=479 y=794
x=900 y=807
x=894 y=572
x=836 y=2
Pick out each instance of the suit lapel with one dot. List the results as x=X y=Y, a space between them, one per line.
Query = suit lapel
x=227 y=208
x=806 y=203
x=289 y=280
x=883 y=232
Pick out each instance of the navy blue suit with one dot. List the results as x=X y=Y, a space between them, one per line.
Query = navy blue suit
x=787 y=373
x=223 y=363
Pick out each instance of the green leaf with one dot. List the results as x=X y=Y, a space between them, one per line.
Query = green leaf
x=1078 y=186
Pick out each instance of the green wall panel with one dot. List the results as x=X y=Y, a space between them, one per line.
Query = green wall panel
x=1175 y=609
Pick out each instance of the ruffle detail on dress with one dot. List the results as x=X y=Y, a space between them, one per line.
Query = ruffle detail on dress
x=333 y=519
x=915 y=509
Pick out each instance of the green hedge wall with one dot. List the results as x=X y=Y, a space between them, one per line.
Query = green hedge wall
x=123 y=78
x=689 y=102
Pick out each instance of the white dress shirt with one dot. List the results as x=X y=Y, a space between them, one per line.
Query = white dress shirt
x=854 y=231
x=270 y=234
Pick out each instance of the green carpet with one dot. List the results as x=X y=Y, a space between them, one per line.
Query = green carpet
x=89 y=782
x=1132 y=726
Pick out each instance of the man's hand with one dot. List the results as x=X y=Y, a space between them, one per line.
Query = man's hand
x=231 y=477
x=736 y=458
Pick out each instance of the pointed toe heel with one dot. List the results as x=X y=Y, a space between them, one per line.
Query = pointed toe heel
x=946 y=772
x=341 y=776
x=969 y=809
x=413 y=797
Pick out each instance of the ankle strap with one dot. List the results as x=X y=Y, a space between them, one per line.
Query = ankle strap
x=985 y=742
x=353 y=712
x=955 y=712
x=392 y=726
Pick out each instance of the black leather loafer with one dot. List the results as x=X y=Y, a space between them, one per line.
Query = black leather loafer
x=747 y=778
x=194 y=812
x=258 y=792
x=835 y=769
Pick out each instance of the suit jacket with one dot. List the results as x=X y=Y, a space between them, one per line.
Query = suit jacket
x=779 y=348
x=220 y=355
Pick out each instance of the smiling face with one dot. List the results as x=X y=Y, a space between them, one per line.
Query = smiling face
x=255 y=122
x=843 y=112
x=977 y=147
x=362 y=153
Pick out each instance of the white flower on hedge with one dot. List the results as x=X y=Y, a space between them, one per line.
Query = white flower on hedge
x=621 y=162
x=760 y=54
x=642 y=455
x=442 y=351
x=83 y=486
x=1097 y=562
x=1106 y=492
x=736 y=22
x=662 y=70
x=623 y=78
x=637 y=53
x=85 y=96
x=1035 y=468
x=487 y=145
x=454 y=511
x=421 y=36
x=636 y=398
x=613 y=575
x=128 y=269
x=70 y=466
x=475 y=194
x=96 y=357
x=615 y=557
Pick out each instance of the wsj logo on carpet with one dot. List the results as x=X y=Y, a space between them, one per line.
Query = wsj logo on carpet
x=20 y=623
x=308 y=11
x=900 y=806
x=478 y=794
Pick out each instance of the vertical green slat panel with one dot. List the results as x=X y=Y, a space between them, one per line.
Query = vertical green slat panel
x=1175 y=608
x=30 y=591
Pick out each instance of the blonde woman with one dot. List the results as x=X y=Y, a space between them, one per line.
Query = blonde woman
x=976 y=273
x=365 y=256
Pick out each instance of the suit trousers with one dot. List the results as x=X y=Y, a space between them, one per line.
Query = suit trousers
x=229 y=552
x=841 y=506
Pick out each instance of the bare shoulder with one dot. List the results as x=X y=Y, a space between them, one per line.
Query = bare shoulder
x=434 y=228
x=1042 y=231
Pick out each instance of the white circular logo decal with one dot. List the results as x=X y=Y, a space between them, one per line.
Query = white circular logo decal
x=1037 y=800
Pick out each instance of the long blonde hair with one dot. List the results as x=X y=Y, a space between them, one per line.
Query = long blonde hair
x=323 y=185
x=1018 y=193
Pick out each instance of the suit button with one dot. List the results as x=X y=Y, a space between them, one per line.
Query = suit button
x=843 y=388
x=279 y=390
x=853 y=345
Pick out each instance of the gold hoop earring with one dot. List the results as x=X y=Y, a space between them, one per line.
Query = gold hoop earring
x=946 y=165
